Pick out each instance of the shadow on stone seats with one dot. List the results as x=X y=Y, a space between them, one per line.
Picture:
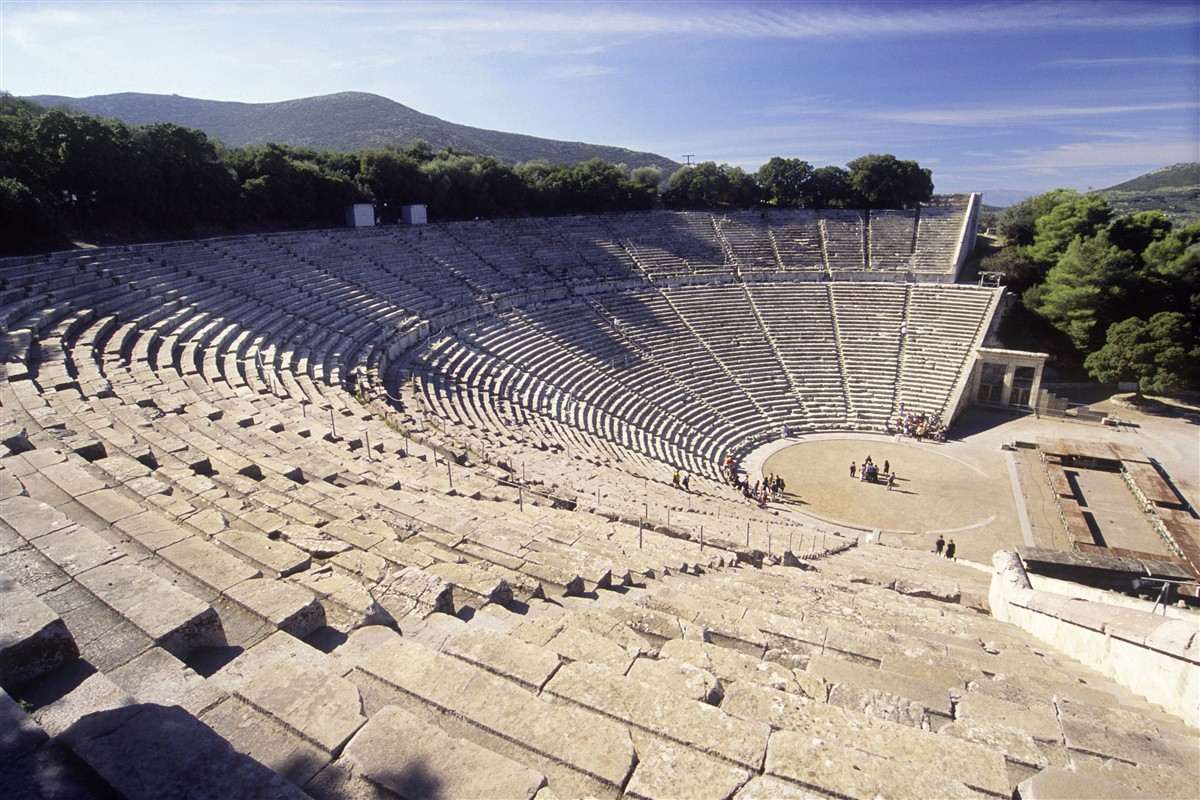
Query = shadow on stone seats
x=326 y=639
x=152 y=751
x=205 y=661
x=55 y=685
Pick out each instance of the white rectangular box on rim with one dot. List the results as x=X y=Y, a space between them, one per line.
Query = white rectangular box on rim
x=360 y=215
x=414 y=214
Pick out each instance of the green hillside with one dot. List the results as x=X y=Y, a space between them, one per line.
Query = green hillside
x=1175 y=176
x=345 y=122
x=1174 y=190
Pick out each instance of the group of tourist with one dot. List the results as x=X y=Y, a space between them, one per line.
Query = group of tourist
x=944 y=548
x=919 y=425
x=762 y=492
x=771 y=487
x=868 y=470
x=682 y=482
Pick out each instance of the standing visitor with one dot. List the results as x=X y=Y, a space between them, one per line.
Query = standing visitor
x=950 y=548
x=939 y=544
x=687 y=482
x=851 y=469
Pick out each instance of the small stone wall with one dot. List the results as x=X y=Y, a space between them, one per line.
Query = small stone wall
x=1154 y=656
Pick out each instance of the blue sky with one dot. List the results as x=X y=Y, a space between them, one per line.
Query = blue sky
x=989 y=95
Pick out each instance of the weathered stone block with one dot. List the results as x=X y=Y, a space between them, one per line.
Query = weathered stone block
x=33 y=638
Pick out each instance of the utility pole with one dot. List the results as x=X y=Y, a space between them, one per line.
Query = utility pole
x=689 y=159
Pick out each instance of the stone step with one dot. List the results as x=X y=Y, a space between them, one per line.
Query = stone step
x=402 y=754
x=172 y=618
x=834 y=769
x=209 y=564
x=278 y=556
x=34 y=640
x=506 y=656
x=976 y=766
x=148 y=751
x=35 y=766
x=286 y=606
x=666 y=770
x=156 y=676
x=479 y=581
x=575 y=643
x=579 y=753
x=730 y=665
x=691 y=723
x=891 y=695
x=678 y=678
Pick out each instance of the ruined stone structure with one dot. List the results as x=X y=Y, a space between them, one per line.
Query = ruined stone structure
x=362 y=514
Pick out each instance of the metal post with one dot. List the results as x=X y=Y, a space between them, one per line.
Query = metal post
x=449 y=474
x=521 y=497
x=768 y=540
x=597 y=495
x=668 y=516
x=640 y=524
x=701 y=538
x=332 y=423
x=747 y=533
x=367 y=439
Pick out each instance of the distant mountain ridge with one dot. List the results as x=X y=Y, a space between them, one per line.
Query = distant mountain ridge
x=1174 y=190
x=346 y=121
x=1184 y=174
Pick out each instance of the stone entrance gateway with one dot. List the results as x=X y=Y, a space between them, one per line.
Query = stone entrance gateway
x=1009 y=378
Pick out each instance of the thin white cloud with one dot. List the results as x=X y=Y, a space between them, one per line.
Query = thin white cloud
x=1126 y=61
x=793 y=21
x=1015 y=115
x=568 y=72
x=1108 y=154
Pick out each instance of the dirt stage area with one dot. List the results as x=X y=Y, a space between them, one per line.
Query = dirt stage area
x=971 y=488
x=935 y=492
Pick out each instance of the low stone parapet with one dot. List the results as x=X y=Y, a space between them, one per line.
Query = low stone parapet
x=1155 y=656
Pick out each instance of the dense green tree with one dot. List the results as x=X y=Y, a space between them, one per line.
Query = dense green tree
x=21 y=157
x=420 y=151
x=1017 y=223
x=1161 y=354
x=830 y=188
x=289 y=186
x=466 y=186
x=393 y=179
x=1078 y=215
x=181 y=179
x=1019 y=271
x=1084 y=290
x=90 y=166
x=1171 y=273
x=647 y=177
x=883 y=181
x=25 y=224
x=786 y=182
x=89 y=175
x=708 y=185
x=1136 y=232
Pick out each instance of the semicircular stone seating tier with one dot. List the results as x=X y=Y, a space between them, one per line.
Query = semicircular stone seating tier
x=232 y=563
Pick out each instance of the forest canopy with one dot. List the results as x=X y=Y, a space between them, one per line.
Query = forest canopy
x=1121 y=293
x=66 y=174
